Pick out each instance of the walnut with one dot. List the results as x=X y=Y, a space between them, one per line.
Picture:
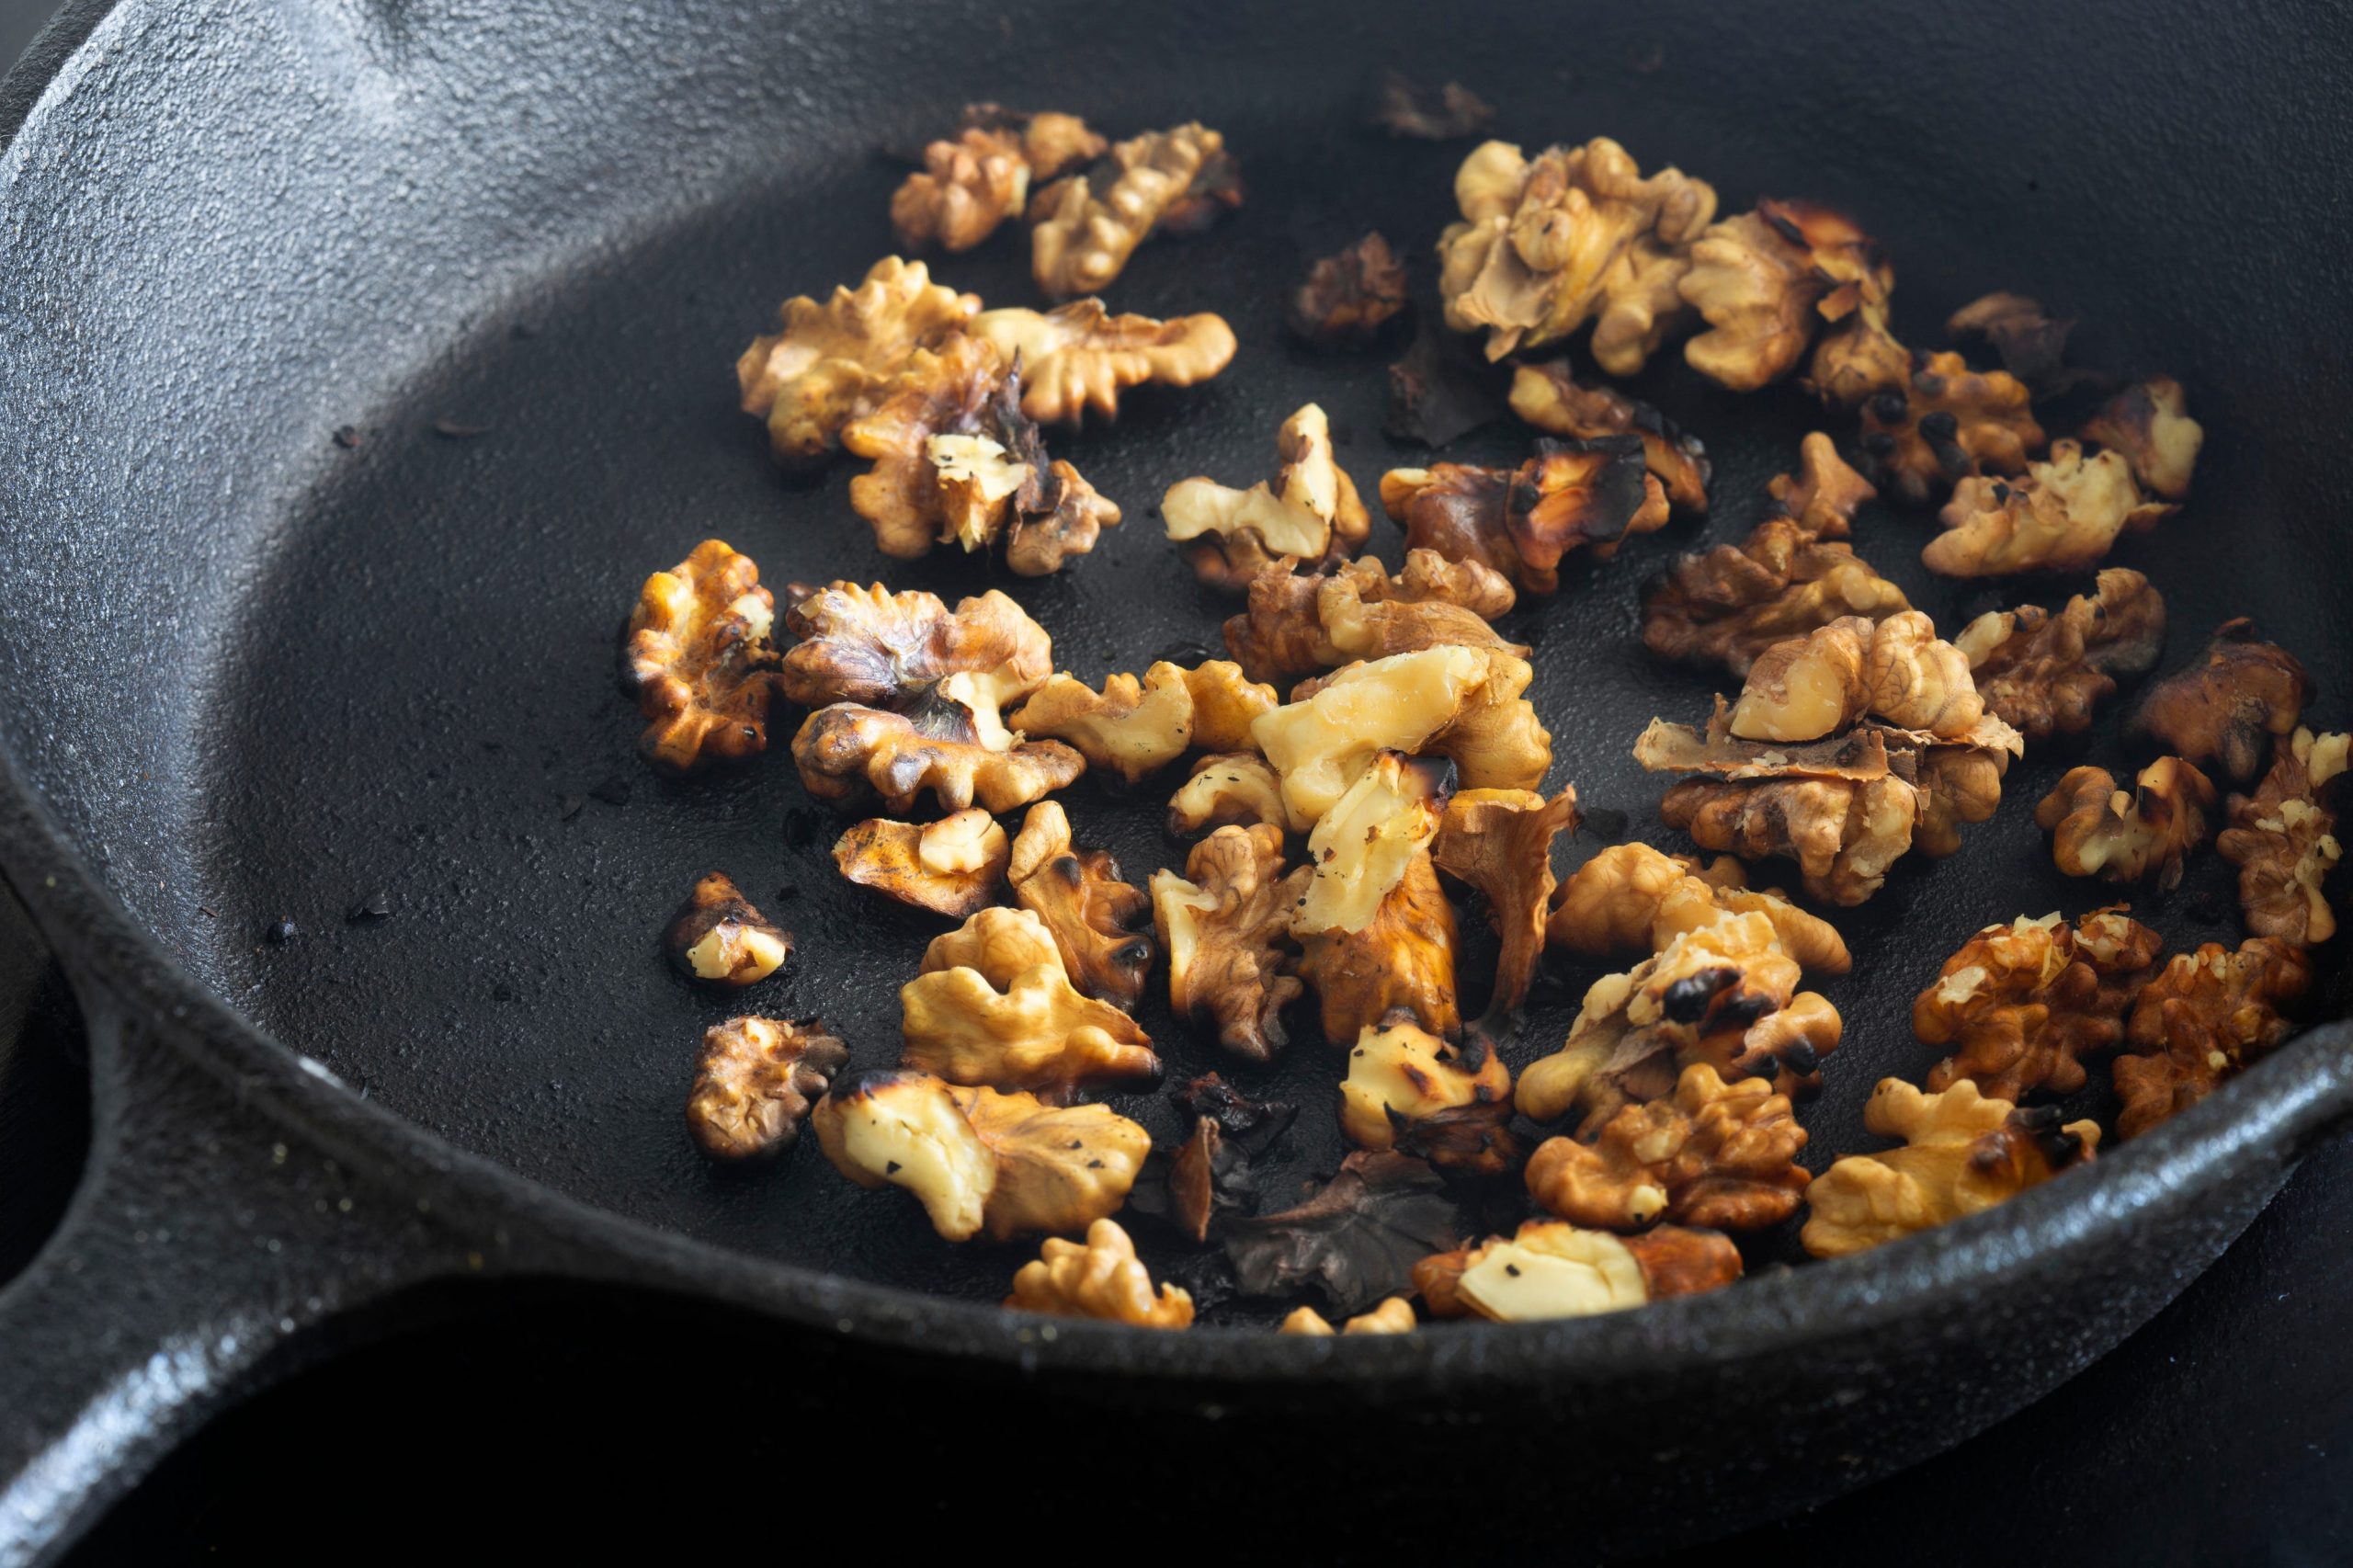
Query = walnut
x=1354 y=611
x=1226 y=927
x=1101 y=1278
x=1349 y=296
x=1844 y=833
x=2148 y=424
x=1810 y=687
x=1407 y=1088
x=1404 y=106
x=1394 y=1315
x=1858 y=358
x=1546 y=397
x=1920 y=682
x=2225 y=706
x=1375 y=930
x=2063 y=516
x=1551 y=1269
x=886 y=650
x=698 y=661
x=952 y=743
x=992 y=1007
x=1129 y=727
x=1630 y=899
x=1823 y=496
x=1717 y=1154
x=2204 y=1017
x=2099 y=830
x=1097 y=921
x=1963 y=1152
x=719 y=938
x=1575 y=234
x=1723 y=992
x=972 y=184
x=830 y=363
x=1309 y=511
x=2043 y=673
x=1591 y=494
x=754 y=1082
x=1226 y=703
x=2284 y=840
x=1236 y=788
x=1080 y=240
x=2021 y=1003
x=979 y=1160
x=1077 y=358
x=950 y=867
x=1764 y=280
x=1499 y=844
x=1960 y=784
x=1945 y=423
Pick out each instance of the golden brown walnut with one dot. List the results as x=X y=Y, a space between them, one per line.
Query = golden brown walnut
x=698 y=661
x=1717 y=1154
x=887 y=650
x=1394 y=1315
x=2149 y=423
x=1844 y=833
x=1085 y=226
x=2205 y=1016
x=1549 y=398
x=2020 y=1004
x=952 y=743
x=1462 y=703
x=1809 y=686
x=1499 y=844
x=1723 y=992
x=1077 y=358
x=950 y=867
x=1858 y=358
x=2043 y=673
x=1226 y=927
x=1403 y=107
x=1409 y=1090
x=1097 y=921
x=2284 y=840
x=1764 y=280
x=1374 y=929
x=1226 y=703
x=1552 y=1269
x=971 y=185
x=2099 y=830
x=956 y=462
x=1295 y=622
x=1350 y=295
x=754 y=1082
x=994 y=1006
x=1129 y=727
x=1588 y=494
x=1944 y=423
x=1823 y=496
x=1963 y=1154
x=2065 y=516
x=1310 y=511
x=1920 y=682
x=830 y=363
x=1101 y=1278
x=1575 y=234
x=1632 y=901
x=718 y=937
x=1229 y=787
x=2228 y=703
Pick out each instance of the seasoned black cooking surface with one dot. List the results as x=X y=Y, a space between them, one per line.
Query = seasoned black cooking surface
x=422 y=701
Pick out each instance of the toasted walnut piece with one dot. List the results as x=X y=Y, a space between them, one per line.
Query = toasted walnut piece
x=1944 y=423
x=996 y=941
x=2228 y=703
x=953 y=744
x=1077 y=358
x=831 y=362
x=718 y=937
x=2043 y=673
x=1226 y=927
x=1355 y=1241
x=1547 y=397
x=1309 y=511
x=1101 y=1278
x=1499 y=843
x=2029 y=343
x=1919 y=681
x=1236 y=788
x=1375 y=930
x=1809 y=686
x=994 y=1006
x=1823 y=496
x=1296 y=623
x=754 y=1082
x=1548 y=1269
x=1394 y=1315
x=1097 y=920
x=2284 y=840
x=2021 y=1003
x=950 y=867
x=2148 y=422
x=1718 y=1154
x=1085 y=226
x=965 y=188
x=1585 y=494
x=2205 y=1016
x=1630 y=899
x=1403 y=107
x=2099 y=830
x=1408 y=1088
x=1226 y=703
x=698 y=661
x=1764 y=280
x=1960 y=784
x=1843 y=834
x=887 y=650
x=1349 y=296
x=2062 y=516
x=1575 y=235
x=1963 y=1153
x=1129 y=727
x=1051 y=143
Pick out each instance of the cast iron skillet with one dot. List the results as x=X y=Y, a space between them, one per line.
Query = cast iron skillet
x=251 y=672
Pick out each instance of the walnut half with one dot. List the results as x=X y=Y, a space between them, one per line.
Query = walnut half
x=1310 y=511
x=2063 y=515
x=754 y=1082
x=2229 y=703
x=2099 y=830
x=1717 y=1154
x=1226 y=925
x=2021 y=1003
x=2205 y=1016
x=994 y=1006
x=1085 y=226
x=2043 y=673
x=719 y=938
x=1551 y=1269
x=1375 y=929
x=1077 y=358
x=950 y=867
x=1296 y=622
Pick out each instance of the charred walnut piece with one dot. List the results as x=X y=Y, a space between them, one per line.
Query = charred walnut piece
x=1411 y=1091
x=889 y=651
x=2207 y=1015
x=1100 y=923
x=2020 y=1004
x=1309 y=512
x=719 y=938
x=1353 y=1242
x=1440 y=390
x=1945 y=423
x=1226 y=927
x=1212 y=1175
x=698 y=661
x=2147 y=833
x=2228 y=703
x=1716 y=1155
x=2043 y=674
x=2284 y=840
x=1552 y=1269
x=1349 y=295
x=1521 y=523
x=951 y=866
x=1546 y=397
x=755 y=1083
x=1085 y=226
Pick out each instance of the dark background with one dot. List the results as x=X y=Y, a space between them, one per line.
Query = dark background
x=554 y=1421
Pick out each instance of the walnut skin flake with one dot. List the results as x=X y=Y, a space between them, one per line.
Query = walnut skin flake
x=2149 y=425
x=2021 y=1003
x=1764 y=280
x=1355 y=1241
x=1226 y=927
x=1945 y=423
x=2065 y=516
x=1374 y=927
x=1588 y=494
x=1099 y=1280
x=1551 y=1269
x=1098 y=922
x=994 y=1006
x=2031 y=344
x=2228 y=703
x=1716 y=1155
x=1410 y=1090
x=2205 y=1016
x=1632 y=901
x=1077 y=358
x=1546 y=397
x=1349 y=296
x=719 y=938
x=2043 y=674
x=2284 y=840
x=1084 y=227
x=1295 y=622
x=2147 y=833
x=951 y=866
x=1499 y=844
x=698 y=661
x=1310 y=511
x=754 y=1082
x=971 y=185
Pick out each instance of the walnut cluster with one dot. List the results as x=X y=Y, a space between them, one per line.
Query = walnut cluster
x=1084 y=227
x=2205 y=1016
x=1296 y=622
x=699 y=660
x=1590 y=494
x=994 y=1006
x=1552 y=1269
x=2020 y=1004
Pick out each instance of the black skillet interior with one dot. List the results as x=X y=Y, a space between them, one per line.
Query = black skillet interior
x=403 y=677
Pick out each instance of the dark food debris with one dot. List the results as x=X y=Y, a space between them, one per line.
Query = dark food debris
x=283 y=930
x=1354 y=1240
x=613 y=791
x=1404 y=107
x=377 y=906
x=458 y=430
x=347 y=437
x=569 y=807
x=1441 y=391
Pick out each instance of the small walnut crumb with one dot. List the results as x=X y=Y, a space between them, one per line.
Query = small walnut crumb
x=1404 y=106
x=2228 y=703
x=2284 y=840
x=2149 y=423
x=1226 y=927
x=1408 y=1089
x=1078 y=358
x=2065 y=516
x=1309 y=512
x=1547 y=397
x=1100 y=923
x=1717 y=1154
x=1944 y=423
x=1349 y=296
x=2147 y=833
x=1551 y=1269
x=1394 y=1315
x=994 y=1006
x=1375 y=929
x=950 y=867
x=755 y=1083
x=1764 y=280
x=719 y=938
x=2043 y=673
x=2205 y=1016
x=699 y=660
x=1099 y=1279
x=1085 y=226
x=1590 y=494
x=2021 y=1003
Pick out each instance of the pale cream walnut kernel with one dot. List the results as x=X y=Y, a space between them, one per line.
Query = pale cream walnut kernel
x=1408 y=1089
x=699 y=660
x=2284 y=840
x=1226 y=927
x=755 y=1083
x=2063 y=515
x=1310 y=511
x=1077 y=358
x=1809 y=686
x=1718 y=1154
x=950 y=867
x=1101 y=1278
x=831 y=362
x=1375 y=930
x=1130 y=729
x=719 y=938
x=2143 y=834
x=1552 y=1269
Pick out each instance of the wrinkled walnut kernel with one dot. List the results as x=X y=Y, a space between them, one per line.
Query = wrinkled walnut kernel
x=1077 y=358
x=1349 y=296
x=1499 y=843
x=755 y=1083
x=2228 y=703
x=2099 y=830
x=1098 y=922
x=2043 y=673
x=2021 y=1003
x=1717 y=1154
x=1226 y=927
x=1764 y=280
x=1374 y=928
x=1297 y=622
x=950 y=867
x=1085 y=226
x=1099 y=1279
x=698 y=661
x=1551 y=1269
x=1410 y=1090
x=719 y=938
x=2284 y=840
x=1632 y=901
x=2205 y=1016
x=994 y=1006
x=2065 y=516
x=1310 y=511
x=1945 y=423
